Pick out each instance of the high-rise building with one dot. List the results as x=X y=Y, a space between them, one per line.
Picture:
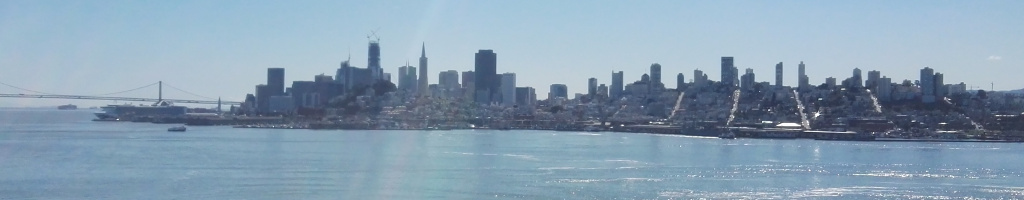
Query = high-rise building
x=830 y=82
x=729 y=72
x=263 y=94
x=592 y=87
x=873 y=78
x=275 y=81
x=407 y=79
x=699 y=79
x=602 y=90
x=526 y=96
x=680 y=82
x=857 y=79
x=558 y=90
x=927 y=84
x=617 y=85
x=486 y=77
x=778 y=75
x=469 y=85
x=423 y=83
x=508 y=89
x=448 y=80
x=373 y=61
x=940 y=89
x=883 y=89
x=803 y=82
x=747 y=81
x=656 y=75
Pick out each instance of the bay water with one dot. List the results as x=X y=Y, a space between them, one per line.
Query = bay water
x=54 y=154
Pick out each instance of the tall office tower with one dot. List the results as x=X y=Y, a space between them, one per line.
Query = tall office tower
x=592 y=86
x=747 y=81
x=448 y=80
x=508 y=89
x=275 y=81
x=423 y=91
x=830 y=82
x=525 y=96
x=729 y=75
x=373 y=61
x=698 y=78
x=940 y=87
x=858 y=80
x=873 y=78
x=656 y=76
x=602 y=90
x=341 y=76
x=927 y=84
x=617 y=86
x=486 y=79
x=803 y=82
x=407 y=78
x=883 y=89
x=558 y=90
x=778 y=75
x=468 y=85
x=680 y=82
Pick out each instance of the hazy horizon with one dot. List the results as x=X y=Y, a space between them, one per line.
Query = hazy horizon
x=222 y=48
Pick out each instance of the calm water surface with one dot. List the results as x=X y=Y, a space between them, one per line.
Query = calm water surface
x=50 y=154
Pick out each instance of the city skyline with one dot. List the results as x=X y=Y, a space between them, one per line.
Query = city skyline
x=223 y=54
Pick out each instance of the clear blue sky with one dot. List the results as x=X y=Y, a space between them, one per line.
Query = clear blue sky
x=222 y=48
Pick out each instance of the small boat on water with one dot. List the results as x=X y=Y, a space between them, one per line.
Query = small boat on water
x=67 y=107
x=727 y=135
x=176 y=129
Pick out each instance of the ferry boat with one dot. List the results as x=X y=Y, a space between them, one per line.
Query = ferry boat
x=127 y=112
x=176 y=129
x=67 y=107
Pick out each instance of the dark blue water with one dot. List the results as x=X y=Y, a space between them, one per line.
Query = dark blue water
x=54 y=154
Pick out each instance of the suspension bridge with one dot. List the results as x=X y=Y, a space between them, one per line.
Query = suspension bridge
x=111 y=96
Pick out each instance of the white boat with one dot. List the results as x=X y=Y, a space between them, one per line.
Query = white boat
x=176 y=129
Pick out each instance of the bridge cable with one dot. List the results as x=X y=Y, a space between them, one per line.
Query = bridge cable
x=193 y=94
x=130 y=90
x=47 y=93
x=16 y=87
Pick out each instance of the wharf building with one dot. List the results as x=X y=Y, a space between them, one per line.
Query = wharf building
x=486 y=77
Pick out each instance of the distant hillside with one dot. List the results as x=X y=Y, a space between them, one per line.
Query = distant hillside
x=1018 y=91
